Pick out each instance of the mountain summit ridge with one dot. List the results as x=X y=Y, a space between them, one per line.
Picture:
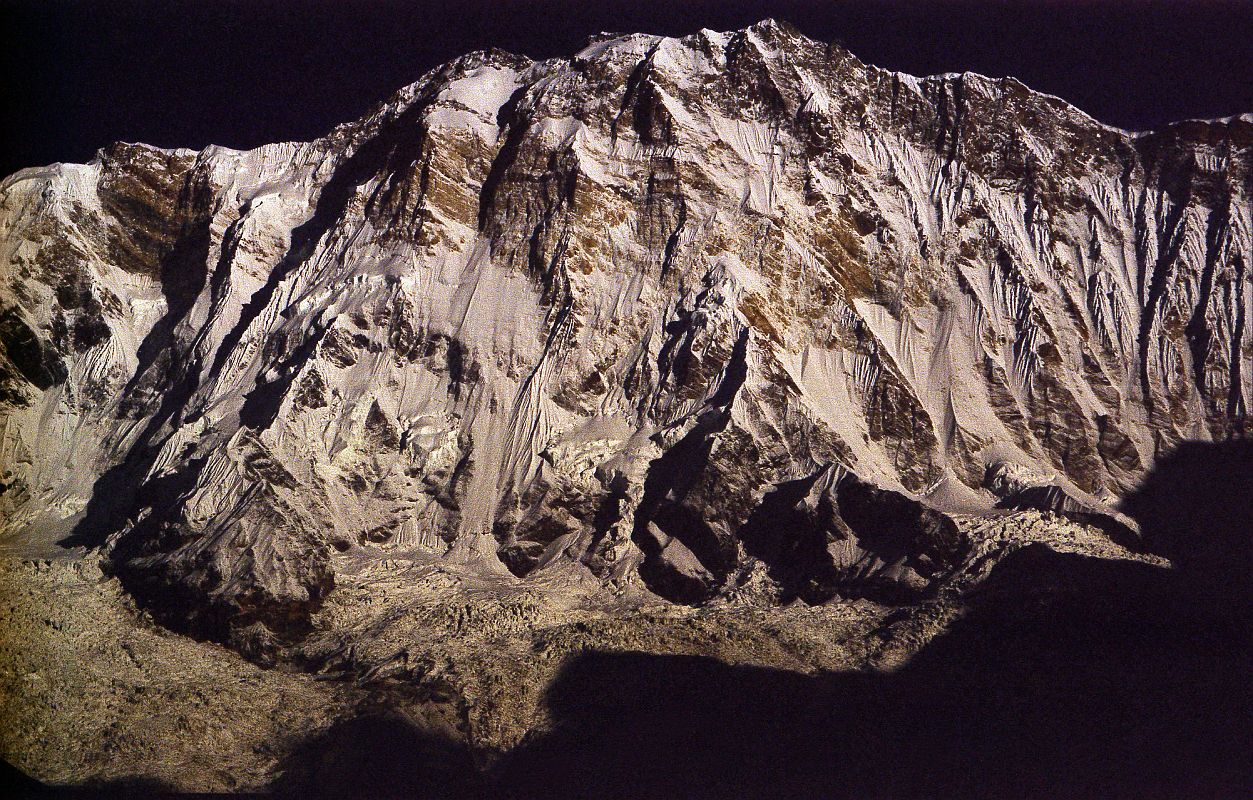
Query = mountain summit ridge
x=670 y=317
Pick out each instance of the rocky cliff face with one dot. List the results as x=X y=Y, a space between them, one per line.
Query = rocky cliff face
x=670 y=316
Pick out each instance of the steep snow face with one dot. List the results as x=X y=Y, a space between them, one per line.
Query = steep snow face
x=653 y=314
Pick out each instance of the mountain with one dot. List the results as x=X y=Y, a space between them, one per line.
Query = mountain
x=672 y=318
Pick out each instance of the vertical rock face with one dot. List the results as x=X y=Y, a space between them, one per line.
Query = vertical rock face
x=662 y=310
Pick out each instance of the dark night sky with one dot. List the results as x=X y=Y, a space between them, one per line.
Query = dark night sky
x=78 y=75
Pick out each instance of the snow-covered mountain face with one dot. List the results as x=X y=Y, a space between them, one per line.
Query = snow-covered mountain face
x=653 y=317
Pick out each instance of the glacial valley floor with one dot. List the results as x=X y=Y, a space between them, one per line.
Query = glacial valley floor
x=1054 y=664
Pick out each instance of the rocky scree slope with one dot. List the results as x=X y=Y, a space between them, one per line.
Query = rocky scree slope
x=649 y=320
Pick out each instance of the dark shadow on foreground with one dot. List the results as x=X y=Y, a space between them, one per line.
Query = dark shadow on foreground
x=1068 y=677
x=1123 y=688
